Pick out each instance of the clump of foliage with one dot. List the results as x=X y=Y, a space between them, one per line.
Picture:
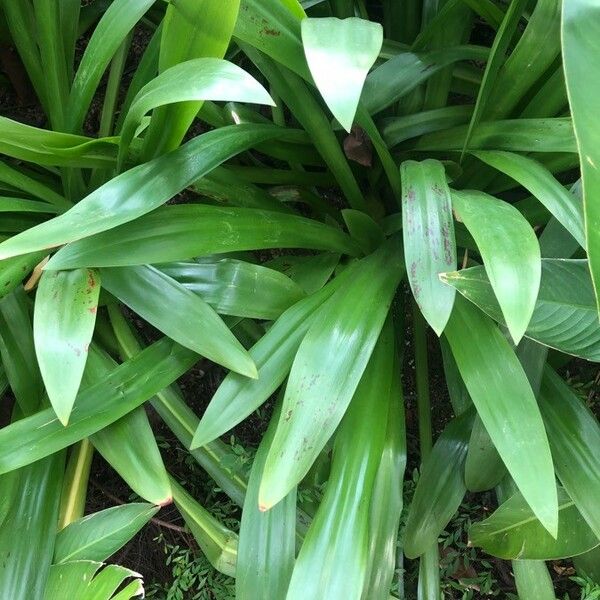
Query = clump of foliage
x=346 y=147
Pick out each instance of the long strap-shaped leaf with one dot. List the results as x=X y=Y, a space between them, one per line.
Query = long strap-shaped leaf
x=140 y=190
x=122 y=390
x=495 y=61
x=510 y=251
x=206 y=28
x=266 y=549
x=190 y=230
x=563 y=205
x=328 y=367
x=333 y=561
x=441 y=487
x=63 y=324
x=118 y=20
x=190 y=320
x=506 y=404
x=27 y=534
x=429 y=245
x=238 y=396
x=580 y=33
x=574 y=436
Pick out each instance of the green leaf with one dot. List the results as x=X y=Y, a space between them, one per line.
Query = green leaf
x=237 y=397
x=402 y=73
x=328 y=367
x=497 y=56
x=387 y=499
x=505 y=402
x=189 y=320
x=565 y=315
x=363 y=229
x=87 y=580
x=18 y=352
x=99 y=535
x=65 y=315
x=510 y=252
x=339 y=533
x=207 y=27
x=218 y=543
x=440 y=488
x=574 y=436
x=128 y=444
x=514 y=532
x=565 y=206
x=516 y=135
x=27 y=534
x=580 y=31
x=484 y=468
x=235 y=287
x=532 y=580
x=116 y=22
x=180 y=232
x=428 y=232
x=199 y=79
x=45 y=147
x=139 y=190
x=266 y=549
x=273 y=27
x=339 y=54
x=14 y=270
x=122 y=390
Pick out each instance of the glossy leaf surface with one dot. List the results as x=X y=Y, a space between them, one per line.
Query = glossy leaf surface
x=65 y=314
x=99 y=535
x=429 y=245
x=510 y=252
x=339 y=53
x=328 y=367
x=189 y=320
x=565 y=313
x=505 y=402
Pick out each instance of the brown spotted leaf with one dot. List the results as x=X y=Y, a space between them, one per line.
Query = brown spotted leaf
x=429 y=245
x=63 y=324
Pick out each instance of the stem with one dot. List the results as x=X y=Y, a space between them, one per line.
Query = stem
x=74 y=492
x=429 y=569
x=422 y=383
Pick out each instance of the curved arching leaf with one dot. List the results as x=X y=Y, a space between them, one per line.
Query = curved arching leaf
x=188 y=320
x=180 y=232
x=514 y=532
x=562 y=204
x=565 y=315
x=328 y=367
x=197 y=79
x=580 y=32
x=510 y=252
x=99 y=535
x=506 y=404
x=140 y=190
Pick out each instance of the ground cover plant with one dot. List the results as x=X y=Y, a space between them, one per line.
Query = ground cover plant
x=292 y=192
